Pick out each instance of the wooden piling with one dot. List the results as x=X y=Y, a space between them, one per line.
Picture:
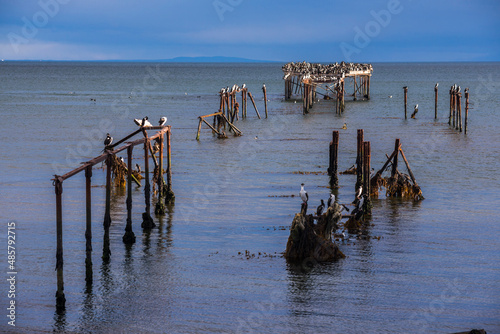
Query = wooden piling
x=160 y=206
x=333 y=169
x=106 y=253
x=129 y=237
x=366 y=176
x=408 y=167
x=170 y=196
x=454 y=109
x=435 y=102
x=405 y=89
x=459 y=112
x=147 y=220
x=199 y=129
x=395 y=161
x=254 y=106
x=265 y=97
x=60 y=298
x=342 y=103
x=451 y=106
x=466 y=110
x=359 y=159
x=354 y=94
x=368 y=87
x=88 y=229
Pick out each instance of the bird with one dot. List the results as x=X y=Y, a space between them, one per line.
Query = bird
x=331 y=200
x=344 y=127
x=390 y=96
x=137 y=168
x=415 y=111
x=303 y=194
x=458 y=89
x=256 y=137
x=320 y=208
x=108 y=140
x=121 y=159
x=142 y=122
x=162 y=121
x=437 y=84
x=357 y=212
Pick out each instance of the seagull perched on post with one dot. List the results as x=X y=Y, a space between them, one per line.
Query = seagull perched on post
x=303 y=194
x=437 y=84
x=320 y=208
x=142 y=122
x=358 y=195
x=331 y=200
x=415 y=111
x=162 y=121
x=108 y=140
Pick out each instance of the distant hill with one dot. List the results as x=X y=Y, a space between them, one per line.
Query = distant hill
x=215 y=60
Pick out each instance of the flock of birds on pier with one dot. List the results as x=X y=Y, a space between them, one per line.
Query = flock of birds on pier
x=323 y=72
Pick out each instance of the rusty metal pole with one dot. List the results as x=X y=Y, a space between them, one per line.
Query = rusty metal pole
x=107 y=216
x=129 y=237
x=88 y=230
x=359 y=159
x=405 y=89
x=435 y=102
x=60 y=298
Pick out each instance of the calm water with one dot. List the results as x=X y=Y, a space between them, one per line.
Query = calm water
x=436 y=267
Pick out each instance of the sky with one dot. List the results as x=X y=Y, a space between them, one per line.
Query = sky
x=323 y=31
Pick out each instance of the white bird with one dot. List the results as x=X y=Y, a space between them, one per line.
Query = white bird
x=108 y=140
x=458 y=89
x=137 y=168
x=360 y=191
x=331 y=200
x=142 y=122
x=121 y=159
x=437 y=84
x=243 y=87
x=415 y=111
x=303 y=193
x=162 y=121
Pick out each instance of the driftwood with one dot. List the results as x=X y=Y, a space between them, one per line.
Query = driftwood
x=309 y=241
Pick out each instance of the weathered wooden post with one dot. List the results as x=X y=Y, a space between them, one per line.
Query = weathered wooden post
x=436 y=101
x=366 y=177
x=342 y=105
x=88 y=229
x=459 y=112
x=199 y=129
x=451 y=105
x=60 y=298
x=160 y=206
x=368 y=88
x=286 y=89
x=454 y=109
x=466 y=109
x=254 y=106
x=395 y=161
x=170 y=197
x=359 y=159
x=107 y=215
x=333 y=170
x=405 y=89
x=129 y=237
x=354 y=95
x=147 y=220
x=265 y=97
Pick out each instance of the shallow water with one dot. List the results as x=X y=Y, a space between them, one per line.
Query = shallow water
x=436 y=267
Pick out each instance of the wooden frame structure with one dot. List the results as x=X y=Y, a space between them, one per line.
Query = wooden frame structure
x=306 y=79
x=129 y=237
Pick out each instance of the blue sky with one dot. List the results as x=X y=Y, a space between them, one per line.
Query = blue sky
x=365 y=30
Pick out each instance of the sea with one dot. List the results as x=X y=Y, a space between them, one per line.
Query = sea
x=214 y=263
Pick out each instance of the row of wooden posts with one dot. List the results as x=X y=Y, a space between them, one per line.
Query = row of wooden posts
x=363 y=162
x=455 y=116
x=229 y=111
x=165 y=196
x=308 y=90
